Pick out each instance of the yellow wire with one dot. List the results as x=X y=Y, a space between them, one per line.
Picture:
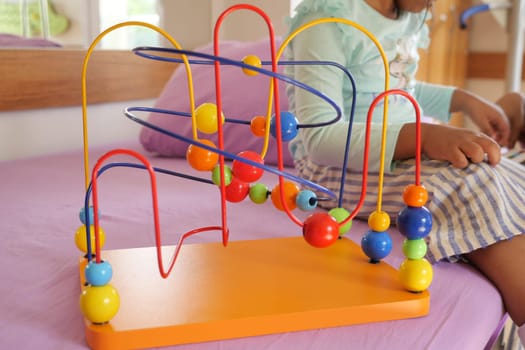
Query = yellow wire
x=387 y=84
x=84 y=70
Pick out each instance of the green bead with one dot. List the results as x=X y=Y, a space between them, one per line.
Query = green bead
x=258 y=193
x=340 y=214
x=415 y=248
x=216 y=175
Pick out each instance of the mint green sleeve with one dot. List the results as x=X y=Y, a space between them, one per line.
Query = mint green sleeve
x=434 y=100
x=326 y=145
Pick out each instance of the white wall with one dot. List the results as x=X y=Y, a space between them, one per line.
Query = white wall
x=488 y=33
x=191 y=23
x=37 y=132
x=198 y=17
x=78 y=13
x=29 y=133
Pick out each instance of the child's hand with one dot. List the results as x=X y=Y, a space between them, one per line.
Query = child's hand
x=488 y=116
x=444 y=142
x=513 y=104
x=492 y=122
x=458 y=146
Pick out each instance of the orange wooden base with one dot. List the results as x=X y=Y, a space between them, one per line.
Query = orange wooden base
x=245 y=289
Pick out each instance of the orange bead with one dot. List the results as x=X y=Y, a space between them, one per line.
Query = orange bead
x=415 y=195
x=202 y=159
x=290 y=191
x=258 y=126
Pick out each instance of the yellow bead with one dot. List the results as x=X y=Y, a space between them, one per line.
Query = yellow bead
x=81 y=241
x=99 y=304
x=416 y=275
x=251 y=60
x=206 y=118
x=379 y=221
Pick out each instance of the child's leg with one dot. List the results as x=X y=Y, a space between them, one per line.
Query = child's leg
x=504 y=264
x=513 y=104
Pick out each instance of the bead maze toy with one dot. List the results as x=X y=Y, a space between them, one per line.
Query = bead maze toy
x=280 y=291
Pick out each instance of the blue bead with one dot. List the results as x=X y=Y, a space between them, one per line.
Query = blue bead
x=98 y=274
x=82 y=215
x=414 y=222
x=376 y=245
x=288 y=126
x=306 y=200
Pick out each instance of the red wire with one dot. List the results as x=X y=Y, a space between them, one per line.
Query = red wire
x=280 y=162
x=367 y=146
x=154 y=199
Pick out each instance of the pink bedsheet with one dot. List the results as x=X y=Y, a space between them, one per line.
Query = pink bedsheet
x=40 y=202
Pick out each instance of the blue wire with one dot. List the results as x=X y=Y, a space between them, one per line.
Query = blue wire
x=226 y=154
x=471 y=12
x=211 y=60
x=188 y=115
x=228 y=61
x=350 y=119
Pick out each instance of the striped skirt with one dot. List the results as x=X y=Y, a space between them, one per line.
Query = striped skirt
x=472 y=207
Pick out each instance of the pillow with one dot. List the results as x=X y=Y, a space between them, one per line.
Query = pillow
x=243 y=97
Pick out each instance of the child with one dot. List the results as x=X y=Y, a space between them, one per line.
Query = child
x=475 y=196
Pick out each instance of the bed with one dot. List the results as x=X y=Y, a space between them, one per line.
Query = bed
x=40 y=286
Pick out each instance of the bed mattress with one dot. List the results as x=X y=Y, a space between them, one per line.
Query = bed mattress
x=41 y=200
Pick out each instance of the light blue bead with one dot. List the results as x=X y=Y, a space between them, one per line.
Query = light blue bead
x=306 y=200
x=91 y=212
x=98 y=274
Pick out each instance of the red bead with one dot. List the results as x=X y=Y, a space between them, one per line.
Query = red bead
x=237 y=190
x=247 y=172
x=320 y=230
